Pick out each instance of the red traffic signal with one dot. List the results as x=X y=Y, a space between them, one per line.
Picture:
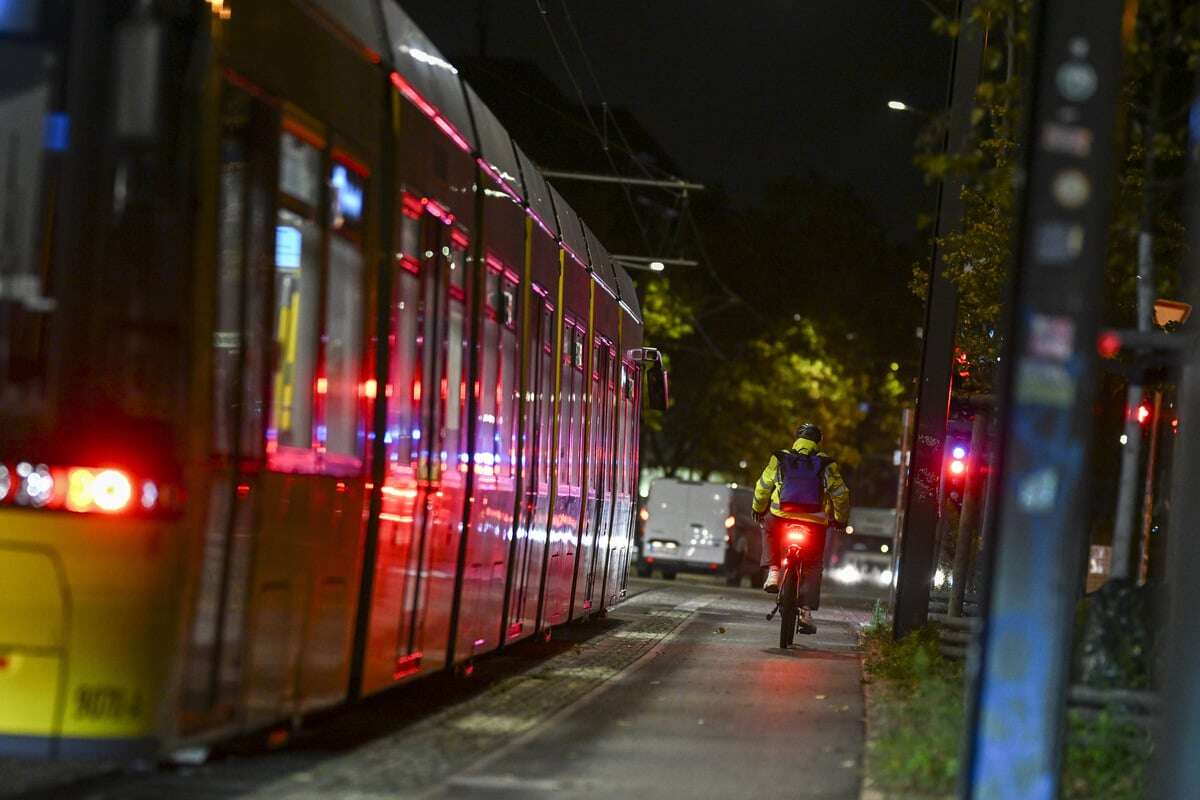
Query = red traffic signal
x=1143 y=413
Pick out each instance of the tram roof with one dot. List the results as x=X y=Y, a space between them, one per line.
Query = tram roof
x=460 y=112
x=602 y=265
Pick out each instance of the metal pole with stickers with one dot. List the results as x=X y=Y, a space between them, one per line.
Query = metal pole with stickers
x=1020 y=665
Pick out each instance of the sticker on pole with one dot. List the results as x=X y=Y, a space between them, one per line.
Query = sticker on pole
x=1052 y=337
x=1058 y=242
x=1042 y=383
x=1038 y=491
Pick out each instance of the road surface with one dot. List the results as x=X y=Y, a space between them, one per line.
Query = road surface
x=680 y=692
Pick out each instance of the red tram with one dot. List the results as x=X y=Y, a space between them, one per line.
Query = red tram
x=310 y=384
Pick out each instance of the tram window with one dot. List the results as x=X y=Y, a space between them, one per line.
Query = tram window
x=410 y=237
x=457 y=256
x=299 y=169
x=493 y=290
x=548 y=328
x=454 y=377
x=401 y=427
x=485 y=434
x=577 y=392
x=346 y=197
x=546 y=393
x=343 y=348
x=567 y=426
x=508 y=307
x=506 y=445
x=297 y=288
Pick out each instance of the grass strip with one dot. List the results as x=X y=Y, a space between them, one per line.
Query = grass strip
x=916 y=724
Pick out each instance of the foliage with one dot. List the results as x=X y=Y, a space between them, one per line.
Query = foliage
x=796 y=376
x=917 y=713
x=978 y=255
x=668 y=316
x=1161 y=47
x=773 y=335
x=1105 y=757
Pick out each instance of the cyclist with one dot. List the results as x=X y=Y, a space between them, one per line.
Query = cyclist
x=804 y=484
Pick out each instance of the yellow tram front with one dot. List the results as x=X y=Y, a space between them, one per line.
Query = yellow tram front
x=94 y=384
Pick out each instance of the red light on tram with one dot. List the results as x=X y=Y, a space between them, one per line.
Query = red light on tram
x=106 y=490
x=416 y=391
x=322 y=386
x=370 y=389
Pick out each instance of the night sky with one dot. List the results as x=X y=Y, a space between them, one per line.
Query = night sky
x=740 y=91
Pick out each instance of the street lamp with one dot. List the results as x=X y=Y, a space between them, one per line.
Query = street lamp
x=898 y=105
x=657 y=266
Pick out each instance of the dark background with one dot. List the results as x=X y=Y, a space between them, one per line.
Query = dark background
x=738 y=93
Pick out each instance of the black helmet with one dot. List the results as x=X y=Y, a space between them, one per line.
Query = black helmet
x=809 y=431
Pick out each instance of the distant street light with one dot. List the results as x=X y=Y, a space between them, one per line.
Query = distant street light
x=653 y=263
x=898 y=105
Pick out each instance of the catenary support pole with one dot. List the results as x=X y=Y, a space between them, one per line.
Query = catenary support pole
x=1148 y=493
x=915 y=564
x=907 y=423
x=1176 y=772
x=1020 y=665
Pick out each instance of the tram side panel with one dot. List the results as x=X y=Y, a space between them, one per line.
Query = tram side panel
x=310 y=490
x=495 y=405
x=599 y=480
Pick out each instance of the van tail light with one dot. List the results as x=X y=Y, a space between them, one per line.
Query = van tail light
x=730 y=521
x=84 y=490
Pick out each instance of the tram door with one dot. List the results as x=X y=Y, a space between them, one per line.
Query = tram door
x=535 y=466
x=241 y=236
x=599 y=504
x=430 y=329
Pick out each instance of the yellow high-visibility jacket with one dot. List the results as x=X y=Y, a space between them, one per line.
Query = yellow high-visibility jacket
x=837 y=494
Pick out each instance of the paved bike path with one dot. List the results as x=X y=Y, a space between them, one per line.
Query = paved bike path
x=717 y=710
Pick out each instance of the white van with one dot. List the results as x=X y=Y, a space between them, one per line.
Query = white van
x=685 y=527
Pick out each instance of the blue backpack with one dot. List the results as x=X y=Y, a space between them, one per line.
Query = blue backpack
x=801 y=482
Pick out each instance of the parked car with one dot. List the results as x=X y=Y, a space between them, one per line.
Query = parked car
x=686 y=527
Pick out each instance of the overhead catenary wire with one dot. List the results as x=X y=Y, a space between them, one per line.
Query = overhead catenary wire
x=562 y=57
x=601 y=135
x=587 y=62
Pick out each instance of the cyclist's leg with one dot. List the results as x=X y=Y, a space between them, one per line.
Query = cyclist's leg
x=810 y=583
x=770 y=542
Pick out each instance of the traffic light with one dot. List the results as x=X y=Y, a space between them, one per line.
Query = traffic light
x=958 y=460
x=957 y=465
x=1144 y=411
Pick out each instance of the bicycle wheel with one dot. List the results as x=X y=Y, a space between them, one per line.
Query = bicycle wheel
x=787 y=608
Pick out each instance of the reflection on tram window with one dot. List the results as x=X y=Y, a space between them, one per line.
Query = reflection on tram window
x=299 y=169
x=402 y=398
x=297 y=285
x=343 y=346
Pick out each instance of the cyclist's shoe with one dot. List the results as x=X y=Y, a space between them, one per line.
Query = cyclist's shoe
x=804 y=622
x=772 y=583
